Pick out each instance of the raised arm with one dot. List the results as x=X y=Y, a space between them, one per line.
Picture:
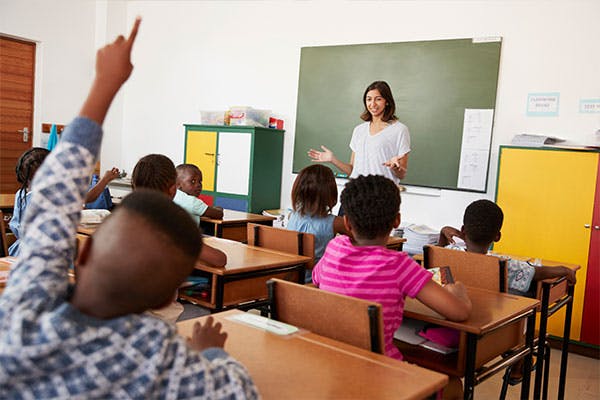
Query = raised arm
x=327 y=156
x=98 y=188
x=48 y=242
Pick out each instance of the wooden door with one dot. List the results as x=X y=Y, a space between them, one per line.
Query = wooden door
x=201 y=150
x=17 y=69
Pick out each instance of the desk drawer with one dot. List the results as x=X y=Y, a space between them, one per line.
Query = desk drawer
x=244 y=290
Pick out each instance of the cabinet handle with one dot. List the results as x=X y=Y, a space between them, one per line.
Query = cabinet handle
x=586 y=226
x=209 y=154
x=597 y=227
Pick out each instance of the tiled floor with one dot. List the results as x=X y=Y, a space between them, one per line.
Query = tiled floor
x=583 y=380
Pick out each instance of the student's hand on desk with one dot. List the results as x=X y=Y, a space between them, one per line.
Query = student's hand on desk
x=207 y=335
x=321 y=156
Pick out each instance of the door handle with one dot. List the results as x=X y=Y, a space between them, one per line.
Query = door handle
x=25 y=132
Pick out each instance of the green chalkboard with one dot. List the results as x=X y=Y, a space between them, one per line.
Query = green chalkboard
x=433 y=82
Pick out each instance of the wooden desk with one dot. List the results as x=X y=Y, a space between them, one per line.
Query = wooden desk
x=242 y=281
x=395 y=243
x=308 y=366
x=5 y=265
x=7 y=201
x=233 y=224
x=554 y=294
x=493 y=328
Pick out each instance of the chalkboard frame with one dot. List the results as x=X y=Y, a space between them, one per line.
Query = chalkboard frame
x=433 y=82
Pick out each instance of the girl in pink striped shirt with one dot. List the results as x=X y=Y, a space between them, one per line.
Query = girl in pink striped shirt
x=363 y=267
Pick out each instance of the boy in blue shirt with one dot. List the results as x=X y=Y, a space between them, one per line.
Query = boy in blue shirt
x=93 y=340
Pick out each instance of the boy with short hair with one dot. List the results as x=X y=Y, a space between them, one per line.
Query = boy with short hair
x=93 y=340
x=482 y=223
x=189 y=187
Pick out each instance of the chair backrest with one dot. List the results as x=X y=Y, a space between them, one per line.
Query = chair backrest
x=347 y=319
x=282 y=240
x=472 y=269
x=3 y=238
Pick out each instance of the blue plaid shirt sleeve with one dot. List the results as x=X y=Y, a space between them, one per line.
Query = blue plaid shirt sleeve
x=48 y=240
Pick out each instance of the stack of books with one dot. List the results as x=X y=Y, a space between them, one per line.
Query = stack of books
x=418 y=236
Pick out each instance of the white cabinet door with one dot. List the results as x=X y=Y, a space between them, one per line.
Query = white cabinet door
x=233 y=162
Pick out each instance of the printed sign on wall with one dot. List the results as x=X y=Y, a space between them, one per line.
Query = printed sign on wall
x=542 y=104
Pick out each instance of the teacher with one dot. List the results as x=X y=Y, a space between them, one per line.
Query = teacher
x=380 y=146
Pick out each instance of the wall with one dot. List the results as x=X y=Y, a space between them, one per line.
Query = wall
x=208 y=55
x=65 y=51
x=194 y=56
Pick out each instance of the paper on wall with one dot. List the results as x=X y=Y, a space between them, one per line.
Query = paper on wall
x=475 y=149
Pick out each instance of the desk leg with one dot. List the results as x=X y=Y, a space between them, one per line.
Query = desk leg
x=539 y=370
x=527 y=365
x=565 y=346
x=219 y=293
x=469 y=387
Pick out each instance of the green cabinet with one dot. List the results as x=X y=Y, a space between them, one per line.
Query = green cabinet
x=241 y=165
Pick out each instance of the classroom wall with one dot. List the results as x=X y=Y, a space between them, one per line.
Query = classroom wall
x=194 y=56
x=209 y=55
x=65 y=50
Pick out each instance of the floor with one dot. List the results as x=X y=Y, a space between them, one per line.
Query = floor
x=583 y=380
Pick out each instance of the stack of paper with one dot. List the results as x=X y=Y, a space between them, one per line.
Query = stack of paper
x=418 y=236
x=533 y=140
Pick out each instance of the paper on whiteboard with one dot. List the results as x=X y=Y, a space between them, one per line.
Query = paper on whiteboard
x=475 y=149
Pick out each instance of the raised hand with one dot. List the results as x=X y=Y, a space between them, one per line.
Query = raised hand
x=113 y=61
x=113 y=67
x=207 y=335
x=321 y=156
x=111 y=174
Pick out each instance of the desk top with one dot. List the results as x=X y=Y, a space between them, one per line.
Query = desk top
x=490 y=309
x=232 y=217
x=7 y=200
x=306 y=365
x=243 y=258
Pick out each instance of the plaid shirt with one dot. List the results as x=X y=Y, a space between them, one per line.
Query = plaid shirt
x=48 y=349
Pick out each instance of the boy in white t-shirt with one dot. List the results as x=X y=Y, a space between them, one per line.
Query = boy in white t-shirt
x=189 y=187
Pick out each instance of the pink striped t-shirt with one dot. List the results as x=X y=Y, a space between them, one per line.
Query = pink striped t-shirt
x=372 y=273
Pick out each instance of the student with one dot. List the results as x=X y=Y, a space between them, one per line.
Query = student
x=157 y=172
x=363 y=267
x=314 y=195
x=380 y=145
x=189 y=187
x=27 y=165
x=93 y=340
x=482 y=223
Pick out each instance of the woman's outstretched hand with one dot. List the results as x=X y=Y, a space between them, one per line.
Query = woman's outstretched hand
x=321 y=156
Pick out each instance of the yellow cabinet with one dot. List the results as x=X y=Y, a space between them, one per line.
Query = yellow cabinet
x=547 y=196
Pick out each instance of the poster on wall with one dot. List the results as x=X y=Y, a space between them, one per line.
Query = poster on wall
x=542 y=104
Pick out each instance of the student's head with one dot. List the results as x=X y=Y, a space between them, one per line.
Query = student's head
x=28 y=164
x=380 y=93
x=140 y=254
x=482 y=222
x=314 y=191
x=371 y=206
x=157 y=172
x=189 y=179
